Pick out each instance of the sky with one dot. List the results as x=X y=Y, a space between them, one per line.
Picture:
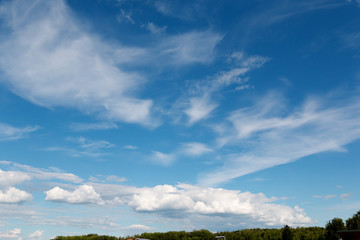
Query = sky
x=119 y=117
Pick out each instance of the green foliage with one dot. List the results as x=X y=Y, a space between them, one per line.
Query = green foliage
x=87 y=237
x=354 y=222
x=332 y=227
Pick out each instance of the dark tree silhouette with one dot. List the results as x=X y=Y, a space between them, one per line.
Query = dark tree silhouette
x=287 y=233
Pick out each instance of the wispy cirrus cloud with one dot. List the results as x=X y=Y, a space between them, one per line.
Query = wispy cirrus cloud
x=29 y=172
x=161 y=158
x=61 y=76
x=190 y=47
x=154 y=29
x=9 y=133
x=84 y=147
x=92 y=126
x=195 y=149
x=200 y=103
x=268 y=137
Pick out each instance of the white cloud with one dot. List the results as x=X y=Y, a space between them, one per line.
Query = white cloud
x=138 y=227
x=125 y=17
x=345 y=196
x=60 y=74
x=330 y=196
x=162 y=158
x=14 y=195
x=201 y=104
x=189 y=199
x=92 y=144
x=36 y=234
x=192 y=202
x=268 y=137
x=8 y=132
x=195 y=149
x=15 y=233
x=92 y=126
x=130 y=147
x=113 y=178
x=199 y=109
x=81 y=195
x=191 y=47
x=12 y=178
x=86 y=147
x=42 y=174
x=153 y=28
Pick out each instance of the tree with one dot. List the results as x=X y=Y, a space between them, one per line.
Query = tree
x=354 y=222
x=286 y=233
x=332 y=227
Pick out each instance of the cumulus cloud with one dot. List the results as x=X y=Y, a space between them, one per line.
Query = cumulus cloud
x=188 y=199
x=185 y=201
x=269 y=137
x=60 y=74
x=81 y=195
x=36 y=234
x=12 y=178
x=10 y=194
x=14 y=195
x=8 y=132
x=15 y=233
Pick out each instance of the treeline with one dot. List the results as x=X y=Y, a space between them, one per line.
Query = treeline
x=285 y=233
x=308 y=233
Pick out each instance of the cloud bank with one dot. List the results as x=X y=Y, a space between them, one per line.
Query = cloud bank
x=185 y=200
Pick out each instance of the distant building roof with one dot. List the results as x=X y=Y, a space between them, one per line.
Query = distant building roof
x=349 y=234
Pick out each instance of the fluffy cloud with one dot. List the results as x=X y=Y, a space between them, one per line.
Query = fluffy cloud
x=12 y=178
x=189 y=199
x=36 y=234
x=269 y=137
x=15 y=233
x=8 y=132
x=60 y=75
x=14 y=195
x=82 y=194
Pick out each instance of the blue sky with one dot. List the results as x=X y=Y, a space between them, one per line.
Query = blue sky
x=123 y=117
